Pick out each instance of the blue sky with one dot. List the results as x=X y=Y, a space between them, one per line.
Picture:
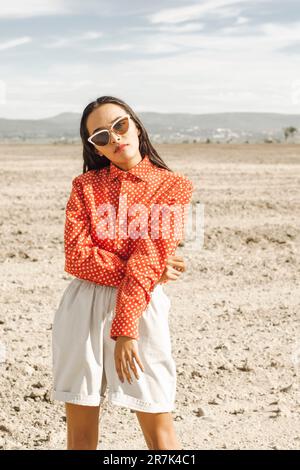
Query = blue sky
x=158 y=55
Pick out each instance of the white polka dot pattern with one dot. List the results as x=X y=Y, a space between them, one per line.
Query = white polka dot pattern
x=118 y=259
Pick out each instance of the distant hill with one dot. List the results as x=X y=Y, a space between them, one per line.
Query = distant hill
x=168 y=127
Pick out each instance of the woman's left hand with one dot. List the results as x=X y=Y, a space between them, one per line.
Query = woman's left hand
x=174 y=267
x=126 y=352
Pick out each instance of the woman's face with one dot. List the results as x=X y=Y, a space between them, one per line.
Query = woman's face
x=103 y=116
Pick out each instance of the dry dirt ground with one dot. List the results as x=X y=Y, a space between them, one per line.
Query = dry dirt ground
x=235 y=318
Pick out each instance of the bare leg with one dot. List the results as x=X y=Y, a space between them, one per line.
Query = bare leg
x=82 y=426
x=158 y=430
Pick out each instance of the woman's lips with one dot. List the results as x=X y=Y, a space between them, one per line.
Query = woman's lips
x=119 y=149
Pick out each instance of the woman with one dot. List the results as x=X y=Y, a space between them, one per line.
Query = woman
x=111 y=327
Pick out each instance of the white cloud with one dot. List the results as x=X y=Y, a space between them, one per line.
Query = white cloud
x=59 y=42
x=281 y=33
x=238 y=68
x=264 y=39
x=192 y=12
x=2 y=92
x=242 y=20
x=172 y=28
x=90 y=35
x=29 y=8
x=159 y=48
x=15 y=43
x=113 y=47
x=184 y=28
x=197 y=82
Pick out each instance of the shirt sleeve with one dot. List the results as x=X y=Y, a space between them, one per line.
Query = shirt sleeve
x=83 y=258
x=147 y=263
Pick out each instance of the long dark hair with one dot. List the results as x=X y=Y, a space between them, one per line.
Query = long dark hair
x=91 y=160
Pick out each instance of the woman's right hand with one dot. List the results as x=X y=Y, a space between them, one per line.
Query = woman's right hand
x=174 y=268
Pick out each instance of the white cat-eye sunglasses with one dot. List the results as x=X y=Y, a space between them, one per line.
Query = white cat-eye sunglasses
x=101 y=137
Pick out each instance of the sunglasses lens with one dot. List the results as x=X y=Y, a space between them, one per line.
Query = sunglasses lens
x=101 y=139
x=121 y=127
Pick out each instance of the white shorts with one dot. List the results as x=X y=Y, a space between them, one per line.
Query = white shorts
x=83 y=352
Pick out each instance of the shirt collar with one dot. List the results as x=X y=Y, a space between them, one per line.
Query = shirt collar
x=142 y=170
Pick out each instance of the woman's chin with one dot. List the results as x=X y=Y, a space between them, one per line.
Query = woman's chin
x=128 y=153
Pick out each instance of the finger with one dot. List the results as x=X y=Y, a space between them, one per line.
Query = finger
x=124 y=373
x=173 y=271
x=137 y=358
x=178 y=264
x=119 y=370
x=174 y=258
x=173 y=274
x=182 y=269
x=125 y=369
x=133 y=368
x=172 y=277
x=175 y=262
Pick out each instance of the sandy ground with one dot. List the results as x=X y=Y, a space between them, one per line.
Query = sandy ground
x=235 y=319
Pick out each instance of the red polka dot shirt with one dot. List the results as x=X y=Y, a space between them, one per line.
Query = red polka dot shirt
x=116 y=232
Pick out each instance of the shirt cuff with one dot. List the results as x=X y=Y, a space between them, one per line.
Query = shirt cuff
x=124 y=326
